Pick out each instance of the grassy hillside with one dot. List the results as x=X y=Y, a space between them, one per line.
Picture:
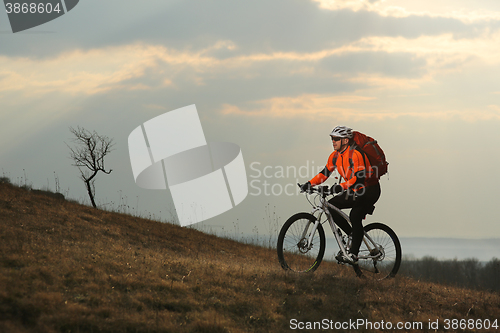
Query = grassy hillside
x=65 y=267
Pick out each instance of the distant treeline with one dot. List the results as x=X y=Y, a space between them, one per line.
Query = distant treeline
x=469 y=273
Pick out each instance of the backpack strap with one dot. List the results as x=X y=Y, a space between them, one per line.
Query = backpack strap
x=368 y=171
x=351 y=153
x=351 y=166
x=334 y=158
x=334 y=163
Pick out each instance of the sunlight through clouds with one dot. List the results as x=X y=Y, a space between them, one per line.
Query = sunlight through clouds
x=77 y=72
x=305 y=105
x=349 y=109
x=355 y=5
x=100 y=70
x=133 y=67
x=465 y=11
x=486 y=47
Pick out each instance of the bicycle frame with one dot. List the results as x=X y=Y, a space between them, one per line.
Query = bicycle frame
x=323 y=208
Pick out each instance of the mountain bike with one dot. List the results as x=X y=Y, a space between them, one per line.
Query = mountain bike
x=302 y=243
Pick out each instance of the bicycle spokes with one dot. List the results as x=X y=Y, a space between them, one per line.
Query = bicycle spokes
x=380 y=253
x=301 y=248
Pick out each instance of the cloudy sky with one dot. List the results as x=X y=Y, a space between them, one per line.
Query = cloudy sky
x=273 y=76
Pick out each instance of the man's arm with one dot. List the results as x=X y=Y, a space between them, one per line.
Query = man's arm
x=325 y=173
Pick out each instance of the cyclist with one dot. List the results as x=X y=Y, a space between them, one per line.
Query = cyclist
x=359 y=190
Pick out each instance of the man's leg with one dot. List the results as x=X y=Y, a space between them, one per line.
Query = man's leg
x=341 y=202
x=361 y=207
x=356 y=216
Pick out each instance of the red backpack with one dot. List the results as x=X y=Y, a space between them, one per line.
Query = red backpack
x=372 y=150
x=374 y=153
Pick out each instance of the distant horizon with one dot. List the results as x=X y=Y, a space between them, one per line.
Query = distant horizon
x=440 y=248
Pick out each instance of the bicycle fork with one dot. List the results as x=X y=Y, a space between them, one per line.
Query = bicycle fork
x=309 y=244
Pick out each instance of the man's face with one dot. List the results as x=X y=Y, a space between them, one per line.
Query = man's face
x=338 y=142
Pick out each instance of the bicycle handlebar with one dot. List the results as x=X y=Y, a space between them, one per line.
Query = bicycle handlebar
x=323 y=190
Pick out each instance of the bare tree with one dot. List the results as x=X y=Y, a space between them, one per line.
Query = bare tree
x=88 y=155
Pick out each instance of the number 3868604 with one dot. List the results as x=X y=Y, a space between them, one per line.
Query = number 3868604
x=32 y=8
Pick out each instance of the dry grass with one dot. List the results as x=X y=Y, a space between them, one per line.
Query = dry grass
x=65 y=267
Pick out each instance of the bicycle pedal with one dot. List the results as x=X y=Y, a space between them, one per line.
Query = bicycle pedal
x=343 y=261
x=339 y=259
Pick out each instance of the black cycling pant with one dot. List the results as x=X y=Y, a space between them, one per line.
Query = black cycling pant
x=361 y=205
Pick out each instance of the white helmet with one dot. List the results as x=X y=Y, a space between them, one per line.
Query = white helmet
x=342 y=132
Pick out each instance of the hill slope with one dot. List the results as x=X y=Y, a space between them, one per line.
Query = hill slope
x=65 y=267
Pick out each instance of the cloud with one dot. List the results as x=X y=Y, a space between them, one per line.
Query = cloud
x=355 y=5
x=466 y=11
x=260 y=26
x=143 y=67
x=361 y=68
x=310 y=105
x=484 y=47
x=349 y=108
x=328 y=62
x=73 y=72
x=93 y=71
x=393 y=64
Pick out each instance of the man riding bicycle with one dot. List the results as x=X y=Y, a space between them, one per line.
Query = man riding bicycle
x=359 y=191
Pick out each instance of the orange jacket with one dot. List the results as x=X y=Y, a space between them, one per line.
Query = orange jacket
x=352 y=166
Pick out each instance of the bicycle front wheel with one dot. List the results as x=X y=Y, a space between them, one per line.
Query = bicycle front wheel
x=295 y=252
x=380 y=252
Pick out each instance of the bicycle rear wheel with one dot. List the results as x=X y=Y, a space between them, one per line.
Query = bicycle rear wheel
x=293 y=252
x=384 y=258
